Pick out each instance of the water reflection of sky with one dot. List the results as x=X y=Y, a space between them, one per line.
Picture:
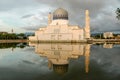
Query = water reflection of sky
x=25 y=64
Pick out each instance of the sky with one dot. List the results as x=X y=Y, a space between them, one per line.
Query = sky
x=30 y=15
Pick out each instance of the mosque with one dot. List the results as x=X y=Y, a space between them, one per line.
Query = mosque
x=59 y=30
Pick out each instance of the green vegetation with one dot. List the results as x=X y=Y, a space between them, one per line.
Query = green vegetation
x=12 y=45
x=118 y=13
x=100 y=36
x=13 y=36
x=97 y=36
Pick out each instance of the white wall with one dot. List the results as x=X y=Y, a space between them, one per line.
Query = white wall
x=59 y=32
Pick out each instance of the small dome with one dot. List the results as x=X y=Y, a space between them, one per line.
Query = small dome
x=60 y=13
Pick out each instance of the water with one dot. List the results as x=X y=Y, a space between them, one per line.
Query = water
x=21 y=61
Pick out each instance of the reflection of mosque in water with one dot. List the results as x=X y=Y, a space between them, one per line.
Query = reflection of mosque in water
x=59 y=54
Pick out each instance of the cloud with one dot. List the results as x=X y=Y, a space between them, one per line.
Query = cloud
x=34 y=22
x=102 y=13
x=4 y=26
x=27 y=16
x=6 y=5
x=31 y=28
x=7 y=28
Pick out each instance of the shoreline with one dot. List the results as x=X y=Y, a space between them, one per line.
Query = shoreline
x=91 y=41
x=112 y=41
x=13 y=41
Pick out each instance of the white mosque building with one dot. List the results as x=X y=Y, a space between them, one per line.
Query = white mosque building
x=59 y=30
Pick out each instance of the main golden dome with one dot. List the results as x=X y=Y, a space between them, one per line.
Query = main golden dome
x=60 y=13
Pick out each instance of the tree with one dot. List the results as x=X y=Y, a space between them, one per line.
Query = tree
x=118 y=13
x=21 y=34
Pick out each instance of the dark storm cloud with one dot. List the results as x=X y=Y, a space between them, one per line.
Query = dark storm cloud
x=75 y=6
x=76 y=10
x=102 y=12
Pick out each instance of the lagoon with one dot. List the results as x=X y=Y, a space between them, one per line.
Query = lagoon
x=57 y=61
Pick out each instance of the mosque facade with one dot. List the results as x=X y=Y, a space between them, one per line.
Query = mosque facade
x=58 y=28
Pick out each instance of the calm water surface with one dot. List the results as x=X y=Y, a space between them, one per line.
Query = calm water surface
x=21 y=61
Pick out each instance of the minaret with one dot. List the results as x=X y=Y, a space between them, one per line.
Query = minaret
x=87 y=55
x=87 y=25
x=49 y=18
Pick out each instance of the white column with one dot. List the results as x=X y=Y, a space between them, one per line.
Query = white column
x=87 y=25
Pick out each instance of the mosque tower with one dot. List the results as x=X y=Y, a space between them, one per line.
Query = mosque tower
x=87 y=25
x=49 y=18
